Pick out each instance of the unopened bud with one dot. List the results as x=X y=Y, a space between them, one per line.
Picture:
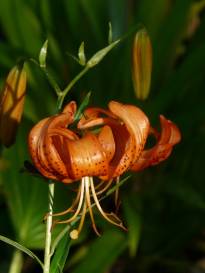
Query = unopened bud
x=81 y=54
x=142 y=64
x=11 y=104
x=97 y=57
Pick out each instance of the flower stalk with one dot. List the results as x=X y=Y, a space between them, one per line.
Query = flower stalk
x=47 y=256
x=17 y=262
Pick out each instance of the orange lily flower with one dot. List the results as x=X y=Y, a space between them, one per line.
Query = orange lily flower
x=117 y=145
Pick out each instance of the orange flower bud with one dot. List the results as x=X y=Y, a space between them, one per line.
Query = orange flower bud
x=142 y=64
x=11 y=104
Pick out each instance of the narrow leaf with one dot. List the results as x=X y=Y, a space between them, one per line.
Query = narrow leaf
x=59 y=238
x=61 y=254
x=110 y=36
x=22 y=248
x=134 y=226
x=83 y=105
x=102 y=253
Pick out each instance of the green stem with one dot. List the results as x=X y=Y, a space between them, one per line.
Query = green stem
x=52 y=82
x=17 y=262
x=47 y=255
x=50 y=79
x=61 y=96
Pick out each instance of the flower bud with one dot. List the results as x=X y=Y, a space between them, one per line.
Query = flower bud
x=142 y=64
x=97 y=57
x=11 y=104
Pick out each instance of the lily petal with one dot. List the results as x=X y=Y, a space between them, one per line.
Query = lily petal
x=170 y=135
x=33 y=140
x=42 y=151
x=136 y=123
x=86 y=157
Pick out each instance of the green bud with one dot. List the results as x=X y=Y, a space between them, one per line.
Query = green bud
x=81 y=54
x=43 y=54
x=97 y=57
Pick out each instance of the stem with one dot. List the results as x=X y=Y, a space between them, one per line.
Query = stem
x=17 y=262
x=61 y=96
x=52 y=82
x=47 y=255
x=50 y=79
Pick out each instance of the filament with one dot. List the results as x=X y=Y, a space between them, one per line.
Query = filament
x=70 y=209
x=87 y=196
x=105 y=215
x=79 y=205
x=117 y=193
x=108 y=184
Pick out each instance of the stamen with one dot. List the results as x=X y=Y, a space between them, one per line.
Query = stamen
x=117 y=202
x=82 y=219
x=71 y=208
x=89 y=205
x=105 y=215
x=108 y=184
x=82 y=190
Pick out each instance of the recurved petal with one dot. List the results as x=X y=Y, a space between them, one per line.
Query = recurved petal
x=170 y=135
x=43 y=143
x=54 y=146
x=33 y=142
x=170 y=132
x=136 y=122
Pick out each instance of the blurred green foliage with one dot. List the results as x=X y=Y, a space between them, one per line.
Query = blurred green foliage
x=163 y=207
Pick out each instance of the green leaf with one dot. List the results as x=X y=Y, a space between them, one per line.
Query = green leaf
x=189 y=69
x=61 y=254
x=26 y=195
x=153 y=17
x=169 y=38
x=59 y=238
x=22 y=248
x=134 y=225
x=82 y=107
x=26 y=36
x=93 y=11
x=103 y=252
x=110 y=35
